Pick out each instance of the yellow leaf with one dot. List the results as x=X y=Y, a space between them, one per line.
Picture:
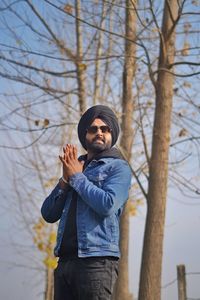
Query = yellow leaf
x=39 y=225
x=133 y=205
x=41 y=246
x=139 y=202
x=35 y=240
x=50 y=182
x=68 y=8
x=19 y=42
x=155 y=29
x=183 y=132
x=149 y=102
x=132 y=208
x=186 y=84
x=185 y=50
x=82 y=67
x=49 y=250
x=50 y=262
x=52 y=237
x=46 y=122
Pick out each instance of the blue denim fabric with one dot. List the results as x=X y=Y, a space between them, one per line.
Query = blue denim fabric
x=102 y=192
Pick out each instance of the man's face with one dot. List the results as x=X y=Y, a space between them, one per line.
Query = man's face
x=99 y=140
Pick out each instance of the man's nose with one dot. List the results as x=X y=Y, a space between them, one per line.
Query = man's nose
x=99 y=131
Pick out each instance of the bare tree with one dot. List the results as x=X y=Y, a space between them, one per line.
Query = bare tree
x=79 y=64
x=150 y=280
x=126 y=142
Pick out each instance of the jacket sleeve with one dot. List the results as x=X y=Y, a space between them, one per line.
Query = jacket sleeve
x=53 y=205
x=111 y=196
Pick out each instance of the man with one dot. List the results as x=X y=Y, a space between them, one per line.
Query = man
x=89 y=200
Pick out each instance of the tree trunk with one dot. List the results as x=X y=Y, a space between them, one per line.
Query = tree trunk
x=49 y=284
x=96 y=95
x=151 y=269
x=80 y=67
x=122 y=286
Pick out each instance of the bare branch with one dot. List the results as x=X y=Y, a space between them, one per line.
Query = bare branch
x=185 y=140
x=176 y=74
x=27 y=146
x=58 y=42
x=58 y=74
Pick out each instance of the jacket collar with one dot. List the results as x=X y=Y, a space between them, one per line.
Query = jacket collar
x=109 y=153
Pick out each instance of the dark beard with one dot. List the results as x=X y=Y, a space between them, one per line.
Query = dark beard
x=96 y=147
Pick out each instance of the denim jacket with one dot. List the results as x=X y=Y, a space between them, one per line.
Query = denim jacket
x=102 y=192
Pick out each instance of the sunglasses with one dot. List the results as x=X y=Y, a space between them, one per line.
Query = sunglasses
x=103 y=128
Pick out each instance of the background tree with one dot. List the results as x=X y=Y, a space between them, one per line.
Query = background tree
x=126 y=142
x=150 y=284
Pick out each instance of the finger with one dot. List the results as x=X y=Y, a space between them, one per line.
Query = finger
x=67 y=151
x=64 y=153
x=74 y=152
x=63 y=161
x=66 y=147
x=66 y=157
x=70 y=152
x=61 y=158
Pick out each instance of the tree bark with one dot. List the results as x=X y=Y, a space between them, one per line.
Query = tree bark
x=122 y=286
x=96 y=95
x=151 y=269
x=80 y=67
x=49 y=284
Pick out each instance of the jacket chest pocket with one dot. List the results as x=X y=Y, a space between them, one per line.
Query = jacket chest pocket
x=97 y=179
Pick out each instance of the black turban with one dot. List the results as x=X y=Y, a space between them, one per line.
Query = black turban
x=101 y=112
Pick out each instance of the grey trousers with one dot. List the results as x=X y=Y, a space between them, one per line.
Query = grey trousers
x=85 y=278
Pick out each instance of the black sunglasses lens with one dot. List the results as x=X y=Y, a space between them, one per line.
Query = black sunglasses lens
x=94 y=129
x=105 y=129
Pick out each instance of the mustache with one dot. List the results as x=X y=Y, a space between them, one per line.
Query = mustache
x=98 y=138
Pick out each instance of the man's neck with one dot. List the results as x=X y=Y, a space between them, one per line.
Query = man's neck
x=90 y=155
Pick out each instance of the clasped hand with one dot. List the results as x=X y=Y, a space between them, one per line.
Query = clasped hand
x=70 y=162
